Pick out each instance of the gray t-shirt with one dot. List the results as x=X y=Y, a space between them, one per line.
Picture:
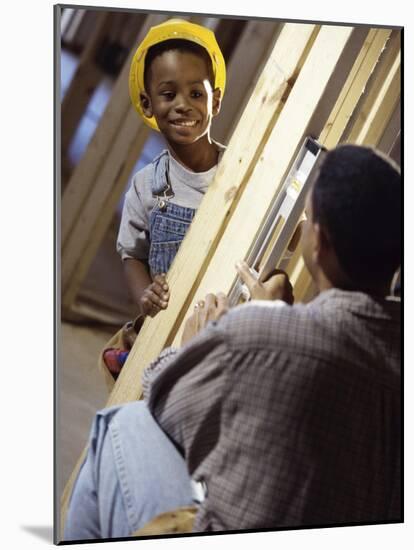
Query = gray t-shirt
x=189 y=188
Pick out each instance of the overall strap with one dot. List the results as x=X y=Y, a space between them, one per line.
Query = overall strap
x=160 y=182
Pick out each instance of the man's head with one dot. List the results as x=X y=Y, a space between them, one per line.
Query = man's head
x=352 y=238
x=179 y=90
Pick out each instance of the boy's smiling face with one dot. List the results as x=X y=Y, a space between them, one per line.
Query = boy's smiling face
x=180 y=96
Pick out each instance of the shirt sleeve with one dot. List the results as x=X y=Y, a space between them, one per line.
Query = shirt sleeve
x=133 y=236
x=155 y=368
x=186 y=395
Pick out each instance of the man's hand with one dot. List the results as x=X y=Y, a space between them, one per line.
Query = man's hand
x=155 y=297
x=210 y=309
x=276 y=287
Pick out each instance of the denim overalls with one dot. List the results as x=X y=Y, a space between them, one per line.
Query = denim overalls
x=169 y=222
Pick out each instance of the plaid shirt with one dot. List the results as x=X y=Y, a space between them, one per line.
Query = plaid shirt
x=290 y=415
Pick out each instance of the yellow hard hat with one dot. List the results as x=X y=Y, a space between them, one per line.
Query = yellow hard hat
x=169 y=30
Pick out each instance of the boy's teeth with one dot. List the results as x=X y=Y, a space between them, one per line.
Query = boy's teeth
x=185 y=123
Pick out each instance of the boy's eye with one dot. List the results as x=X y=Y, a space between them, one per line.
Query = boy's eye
x=168 y=95
x=196 y=93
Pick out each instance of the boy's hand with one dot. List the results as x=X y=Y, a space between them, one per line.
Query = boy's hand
x=209 y=309
x=155 y=297
x=276 y=287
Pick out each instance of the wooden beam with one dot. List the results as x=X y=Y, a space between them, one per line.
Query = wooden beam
x=84 y=82
x=67 y=15
x=72 y=25
x=354 y=86
x=380 y=98
x=376 y=109
x=85 y=28
x=97 y=214
x=395 y=151
x=312 y=98
x=330 y=135
x=392 y=131
x=246 y=64
x=378 y=117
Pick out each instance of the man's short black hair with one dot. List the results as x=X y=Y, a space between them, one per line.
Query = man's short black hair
x=181 y=45
x=357 y=199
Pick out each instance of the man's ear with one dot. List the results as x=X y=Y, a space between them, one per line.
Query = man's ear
x=216 y=101
x=146 y=105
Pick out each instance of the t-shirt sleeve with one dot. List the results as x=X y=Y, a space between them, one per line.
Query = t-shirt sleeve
x=133 y=236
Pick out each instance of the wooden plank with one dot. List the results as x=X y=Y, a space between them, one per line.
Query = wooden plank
x=246 y=64
x=395 y=151
x=258 y=120
x=335 y=126
x=381 y=111
x=242 y=154
x=85 y=176
x=354 y=86
x=366 y=127
x=67 y=15
x=98 y=211
x=384 y=81
x=84 y=82
x=71 y=29
x=392 y=131
x=85 y=28
x=337 y=47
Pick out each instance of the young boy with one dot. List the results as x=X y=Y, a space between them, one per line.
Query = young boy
x=177 y=81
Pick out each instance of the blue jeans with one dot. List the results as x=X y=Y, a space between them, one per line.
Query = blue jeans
x=131 y=474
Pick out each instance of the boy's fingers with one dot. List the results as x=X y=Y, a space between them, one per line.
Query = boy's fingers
x=157 y=288
x=162 y=281
x=146 y=305
x=160 y=292
x=156 y=300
